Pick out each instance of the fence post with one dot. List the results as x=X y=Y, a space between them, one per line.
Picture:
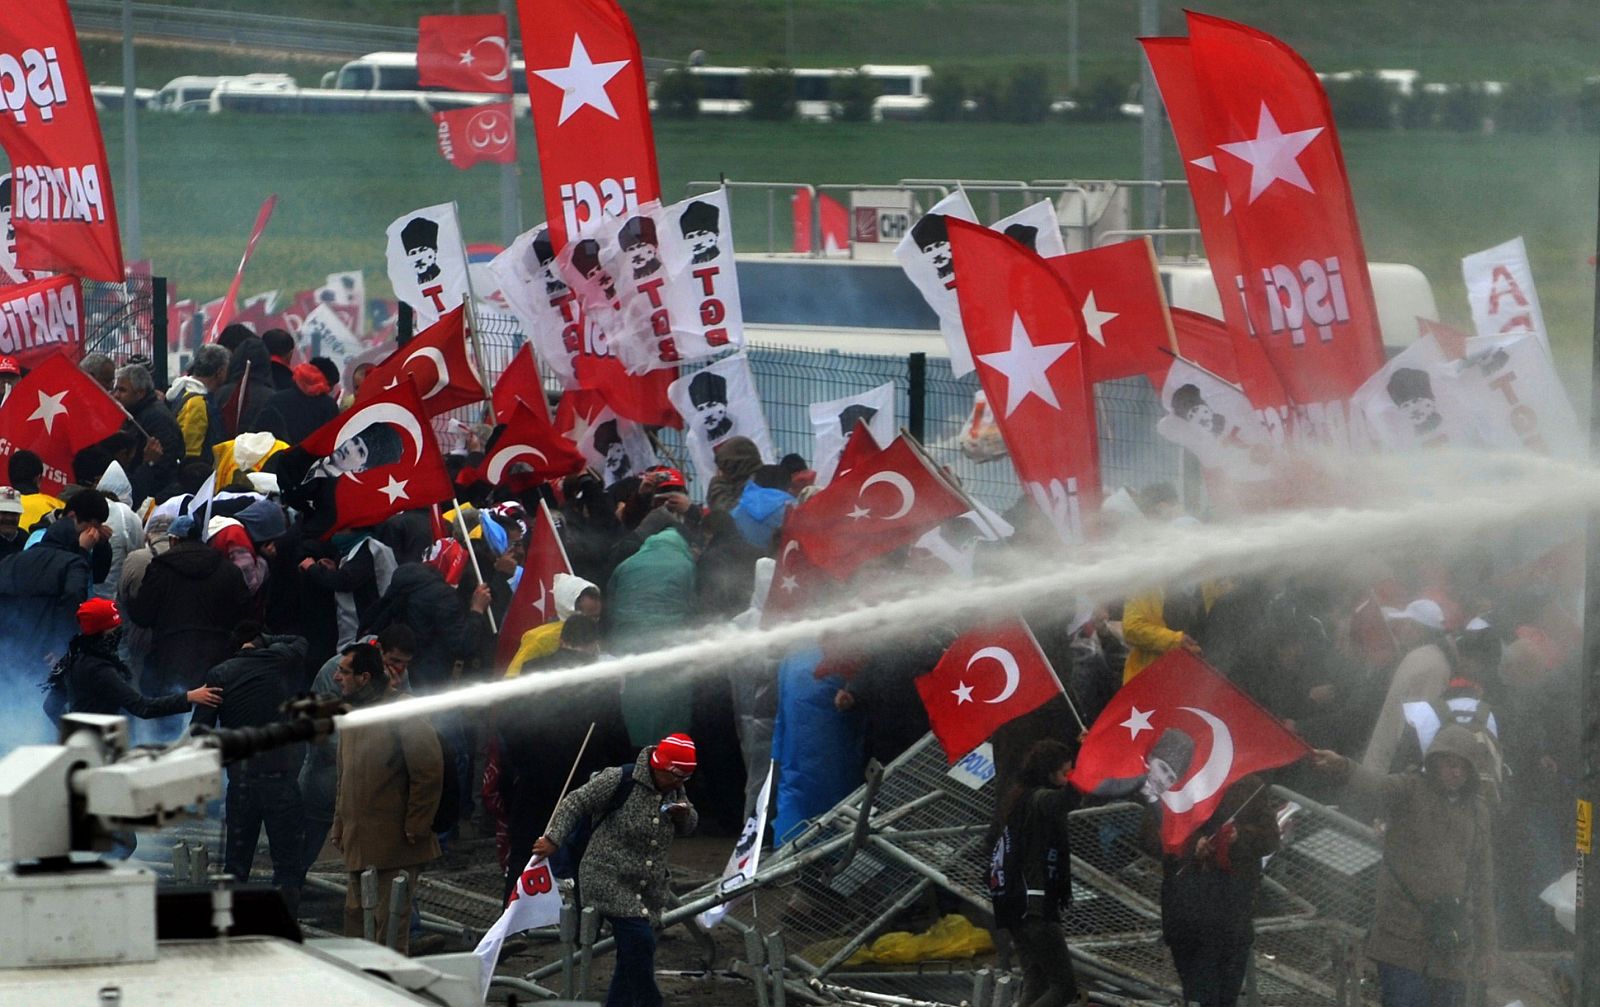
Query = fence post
x=917 y=393
x=405 y=325
x=158 y=330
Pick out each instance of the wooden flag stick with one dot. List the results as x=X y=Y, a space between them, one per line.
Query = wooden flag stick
x=466 y=539
x=1204 y=370
x=570 y=774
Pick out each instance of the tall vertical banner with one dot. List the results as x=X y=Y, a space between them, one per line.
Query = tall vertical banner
x=229 y=308
x=62 y=207
x=597 y=158
x=1500 y=289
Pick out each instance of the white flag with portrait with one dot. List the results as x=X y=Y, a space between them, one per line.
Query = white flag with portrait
x=616 y=448
x=1500 y=289
x=428 y=262
x=1415 y=401
x=1214 y=421
x=549 y=311
x=746 y=858
x=832 y=423
x=717 y=403
x=1518 y=399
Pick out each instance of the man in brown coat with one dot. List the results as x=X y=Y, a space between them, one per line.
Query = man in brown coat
x=391 y=777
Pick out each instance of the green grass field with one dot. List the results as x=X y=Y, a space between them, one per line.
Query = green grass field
x=1424 y=198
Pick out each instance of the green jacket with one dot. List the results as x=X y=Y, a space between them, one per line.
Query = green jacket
x=650 y=596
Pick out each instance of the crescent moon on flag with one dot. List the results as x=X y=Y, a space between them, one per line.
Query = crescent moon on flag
x=1007 y=661
x=1204 y=785
x=908 y=495
x=505 y=59
x=440 y=368
x=791 y=546
x=508 y=454
x=382 y=412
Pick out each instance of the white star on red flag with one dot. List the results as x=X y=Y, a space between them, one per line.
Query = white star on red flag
x=962 y=692
x=1024 y=366
x=583 y=82
x=49 y=408
x=395 y=490
x=1094 y=319
x=1273 y=154
x=1138 y=720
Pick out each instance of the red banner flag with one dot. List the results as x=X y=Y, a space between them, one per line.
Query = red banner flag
x=1027 y=336
x=591 y=115
x=1270 y=135
x=62 y=207
x=376 y=459
x=873 y=509
x=833 y=217
x=55 y=412
x=989 y=677
x=1182 y=734
x=230 y=304
x=440 y=362
x=464 y=52
x=534 y=603
x=527 y=448
x=41 y=318
x=480 y=133
x=1124 y=309
x=519 y=381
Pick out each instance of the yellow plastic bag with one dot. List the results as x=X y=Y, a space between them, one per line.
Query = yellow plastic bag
x=952 y=937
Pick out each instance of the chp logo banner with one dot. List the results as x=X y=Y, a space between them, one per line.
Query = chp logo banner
x=41 y=318
x=464 y=52
x=63 y=211
x=1500 y=290
x=428 y=261
x=717 y=404
x=468 y=136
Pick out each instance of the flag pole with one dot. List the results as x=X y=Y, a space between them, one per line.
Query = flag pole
x=461 y=522
x=1084 y=728
x=1204 y=370
x=472 y=309
x=570 y=774
x=243 y=389
x=544 y=508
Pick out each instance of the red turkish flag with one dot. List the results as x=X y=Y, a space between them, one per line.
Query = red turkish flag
x=468 y=136
x=55 y=412
x=834 y=219
x=534 y=603
x=519 y=381
x=859 y=449
x=797 y=585
x=591 y=115
x=464 y=52
x=1270 y=134
x=379 y=457
x=62 y=207
x=989 y=677
x=1206 y=342
x=873 y=509
x=577 y=410
x=1027 y=336
x=440 y=362
x=41 y=318
x=529 y=440
x=1204 y=731
x=1124 y=310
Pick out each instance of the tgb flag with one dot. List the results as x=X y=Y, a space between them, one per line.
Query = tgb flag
x=1180 y=734
x=1500 y=290
x=535 y=902
x=1208 y=343
x=440 y=362
x=1416 y=401
x=1308 y=297
x=613 y=446
x=1027 y=335
x=924 y=254
x=549 y=310
x=833 y=422
x=468 y=136
x=746 y=858
x=464 y=52
x=717 y=403
x=1124 y=309
x=62 y=208
x=1517 y=398
x=534 y=603
x=428 y=261
x=41 y=318
x=55 y=412
x=597 y=158
x=989 y=677
x=372 y=461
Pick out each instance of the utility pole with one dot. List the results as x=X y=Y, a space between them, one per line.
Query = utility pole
x=1588 y=711
x=1152 y=133
x=510 y=190
x=1072 y=45
x=129 y=203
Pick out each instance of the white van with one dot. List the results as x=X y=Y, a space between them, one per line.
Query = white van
x=396 y=72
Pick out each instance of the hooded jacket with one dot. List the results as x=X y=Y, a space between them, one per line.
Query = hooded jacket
x=294 y=413
x=542 y=641
x=760 y=513
x=197 y=417
x=40 y=591
x=446 y=630
x=242 y=411
x=650 y=595
x=255 y=683
x=1436 y=845
x=191 y=599
x=737 y=459
x=127 y=531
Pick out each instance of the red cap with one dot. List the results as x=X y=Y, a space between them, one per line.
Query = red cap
x=672 y=479
x=9 y=365
x=98 y=615
x=674 y=754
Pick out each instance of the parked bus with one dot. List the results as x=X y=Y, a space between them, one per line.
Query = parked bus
x=902 y=90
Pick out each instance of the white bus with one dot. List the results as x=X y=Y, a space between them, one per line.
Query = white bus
x=396 y=72
x=902 y=90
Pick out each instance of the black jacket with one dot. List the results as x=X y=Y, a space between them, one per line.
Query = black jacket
x=156 y=421
x=191 y=599
x=244 y=416
x=256 y=682
x=446 y=630
x=40 y=591
x=97 y=682
x=291 y=415
x=1029 y=871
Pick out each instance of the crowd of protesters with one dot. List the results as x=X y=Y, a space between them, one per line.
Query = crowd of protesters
x=114 y=596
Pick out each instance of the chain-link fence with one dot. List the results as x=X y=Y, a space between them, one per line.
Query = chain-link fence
x=927 y=394
x=121 y=320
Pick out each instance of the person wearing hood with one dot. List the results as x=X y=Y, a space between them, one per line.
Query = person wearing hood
x=93 y=679
x=162 y=452
x=651 y=595
x=126 y=530
x=190 y=599
x=280 y=348
x=136 y=639
x=246 y=454
x=763 y=505
x=192 y=399
x=294 y=413
x=12 y=537
x=249 y=386
x=737 y=459
x=572 y=595
x=1433 y=930
x=42 y=587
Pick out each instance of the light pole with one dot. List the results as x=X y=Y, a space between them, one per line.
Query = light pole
x=130 y=142
x=1153 y=121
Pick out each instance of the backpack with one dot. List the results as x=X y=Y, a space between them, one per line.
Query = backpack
x=1490 y=762
x=564 y=861
x=449 y=813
